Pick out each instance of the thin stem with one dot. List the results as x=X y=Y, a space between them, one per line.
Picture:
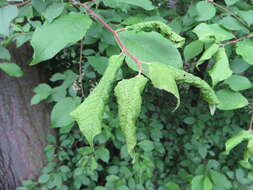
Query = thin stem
x=80 y=68
x=251 y=123
x=115 y=34
x=237 y=40
x=230 y=13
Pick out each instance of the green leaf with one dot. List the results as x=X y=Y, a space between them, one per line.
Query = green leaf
x=42 y=92
x=230 y=100
x=193 y=49
x=220 y=70
x=51 y=38
x=163 y=79
x=145 y=4
x=89 y=114
x=247 y=16
x=238 y=82
x=231 y=23
x=238 y=65
x=237 y=139
x=128 y=93
x=103 y=154
x=197 y=183
x=151 y=47
x=7 y=14
x=60 y=114
x=99 y=63
x=245 y=48
x=207 y=184
x=210 y=32
x=4 y=53
x=230 y=2
x=205 y=11
x=43 y=178
x=220 y=180
x=146 y=145
x=53 y=11
x=11 y=69
x=171 y=186
x=208 y=54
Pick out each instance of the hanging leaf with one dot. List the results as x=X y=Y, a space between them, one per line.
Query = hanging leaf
x=159 y=27
x=208 y=54
x=237 y=139
x=193 y=49
x=205 y=11
x=245 y=49
x=230 y=100
x=11 y=69
x=89 y=114
x=238 y=82
x=212 y=32
x=151 y=47
x=128 y=93
x=220 y=70
x=51 y=38
x=163 y=79
x=7 y=14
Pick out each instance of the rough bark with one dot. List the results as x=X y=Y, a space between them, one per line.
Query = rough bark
x=23 y=127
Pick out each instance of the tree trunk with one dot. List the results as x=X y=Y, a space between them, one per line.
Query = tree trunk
x=23 y=127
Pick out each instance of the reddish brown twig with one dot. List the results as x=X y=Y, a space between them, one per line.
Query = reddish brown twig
x=80 y=69
x=115 y=34
x=237 y=40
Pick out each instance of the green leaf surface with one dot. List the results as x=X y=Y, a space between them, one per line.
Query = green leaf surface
x=146 y=145
x=205 y=11
x=42 y=92
x=212 y=32
x=237 y=139
x=151 y=47
x=7 y=14
x=128 y=93
x=172 y=186
x=51 y=38
x=60 y=114
x=245 y=48
x=247 y=16
x=103 y=154
x=145 y=4
x=89 y=114
x=197 y=183
x=238 y=82
x=230 y=100
x=230 y=2
x=220 y=70
x=4 y=54
x=193 y=49
x=53 y=11
x=208 y=54
x=207 y=184
x=11 y=69
x=231 y=23
x=99 y=63
x=220 y=180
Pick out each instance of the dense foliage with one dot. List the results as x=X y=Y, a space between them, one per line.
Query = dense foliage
x=127 y=62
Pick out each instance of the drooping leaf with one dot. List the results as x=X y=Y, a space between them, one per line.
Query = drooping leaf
x=89 y=114
x=220 y=180
x=230 y=100
x=208 y=54
x=220 y=70
x=212 y=32
x=159 y=27
x=51 y=38
x=7 y=14
x=128 y=93
x=205 y=10
x=163 y=79
x=245 y=48
x=42 y=92
x=193 y=49
x=145 y=4
x=237 y=139
x=238 y=82
x=11 y=69
x=151 y=47
x=60 y=114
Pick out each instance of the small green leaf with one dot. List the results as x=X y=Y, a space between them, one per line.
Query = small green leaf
x=220 y=180
x=205 y=11
x=146 y=145
x=193 y=49
x=238 y=82
x=11 y=69
x=245 y=49
x=4 y=54
x=237 y=139
x=99 y=63
x=42 y=92
x=171 y=186
x=103 y=154
x=197 y=183
x=230 y=100
x=51 y=38
x=145 y=4
x=207 y=184
x=208 y=54
x=53 y=11
x=7 y=14
x=220 y=70
x=230 y=2
x=44 y=178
